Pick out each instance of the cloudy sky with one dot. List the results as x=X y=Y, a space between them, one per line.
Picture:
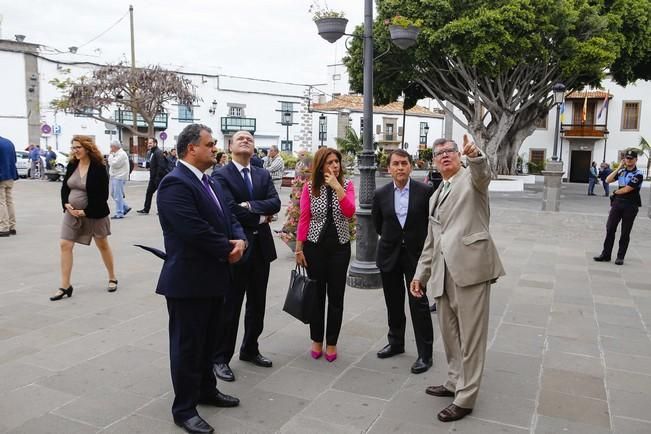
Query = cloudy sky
x=269 y=39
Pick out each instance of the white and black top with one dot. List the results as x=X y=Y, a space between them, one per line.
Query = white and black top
x=326 y=216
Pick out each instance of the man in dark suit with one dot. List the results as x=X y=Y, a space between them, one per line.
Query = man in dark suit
x=400 y=213
x=202 y=239
x=158 y=168
x=253 y=200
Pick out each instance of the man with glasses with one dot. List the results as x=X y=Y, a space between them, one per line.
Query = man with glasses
x=624 y=204
x=458 y=264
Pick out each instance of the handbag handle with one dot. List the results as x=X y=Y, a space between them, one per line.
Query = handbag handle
x=300 y=270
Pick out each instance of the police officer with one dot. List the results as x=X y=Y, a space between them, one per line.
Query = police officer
x=625 y=202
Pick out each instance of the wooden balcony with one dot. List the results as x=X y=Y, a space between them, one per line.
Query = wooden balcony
x=592 y=131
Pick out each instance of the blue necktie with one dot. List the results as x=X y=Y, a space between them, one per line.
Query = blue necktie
x=209 y=192
x=247 y=181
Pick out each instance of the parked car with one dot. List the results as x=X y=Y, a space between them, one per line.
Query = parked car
x=22 y=163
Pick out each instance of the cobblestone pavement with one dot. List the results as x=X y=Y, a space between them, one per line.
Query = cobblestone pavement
x=569 y=349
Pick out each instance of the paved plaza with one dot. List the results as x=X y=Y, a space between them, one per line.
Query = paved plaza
x=569 y=340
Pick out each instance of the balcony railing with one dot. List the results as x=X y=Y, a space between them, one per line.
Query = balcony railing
x=126 y=117
x=584 y=130
x=232 y=125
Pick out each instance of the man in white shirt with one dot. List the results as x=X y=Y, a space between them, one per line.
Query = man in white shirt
x=119 y=173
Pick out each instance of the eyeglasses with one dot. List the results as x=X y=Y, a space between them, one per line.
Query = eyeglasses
x=444 y=152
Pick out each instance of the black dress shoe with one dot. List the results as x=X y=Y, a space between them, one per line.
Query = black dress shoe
x=12 y=231
x=219 y=399
x=619 y=261
x=258 y=360
x=602 y=258
x=390 y=351
x=421 y=365
x=223 y=372
x=62 y=292
x=195 y=425
x=453 y=412
x=143 y=211
x=439 y=391
x=5 y=233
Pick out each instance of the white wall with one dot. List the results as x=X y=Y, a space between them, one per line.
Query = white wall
x=13 y=110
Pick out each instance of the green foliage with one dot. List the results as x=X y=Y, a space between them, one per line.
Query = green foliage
x=289 y=159
x=405 y=22
x=351 y=143
x=497 y=60
x=382 y=159
x=535 y=168
x=425 y=154
x=320 y=12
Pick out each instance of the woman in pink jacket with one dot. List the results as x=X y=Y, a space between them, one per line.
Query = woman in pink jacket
x=323 y=244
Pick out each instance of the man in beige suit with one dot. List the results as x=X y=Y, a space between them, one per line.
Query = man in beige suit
x=457 y=266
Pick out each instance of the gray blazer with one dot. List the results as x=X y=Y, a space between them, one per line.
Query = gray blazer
x=457 y=233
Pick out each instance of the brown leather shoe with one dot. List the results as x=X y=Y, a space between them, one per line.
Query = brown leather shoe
x=453 y=412
x=439 y=391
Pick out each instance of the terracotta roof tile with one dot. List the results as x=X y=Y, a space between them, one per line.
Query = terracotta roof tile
x=591 y=94
x=355 y=103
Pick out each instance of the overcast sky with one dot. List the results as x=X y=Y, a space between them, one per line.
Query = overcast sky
x=269 y=39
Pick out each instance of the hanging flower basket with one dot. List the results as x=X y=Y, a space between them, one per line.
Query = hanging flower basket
x=331 y=29
x=404 y=37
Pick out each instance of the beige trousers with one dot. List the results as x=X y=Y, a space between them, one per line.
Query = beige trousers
x=7 y=213
x=463 y=320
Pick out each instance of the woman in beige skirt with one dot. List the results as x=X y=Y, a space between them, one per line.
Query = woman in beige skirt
x=84 y=197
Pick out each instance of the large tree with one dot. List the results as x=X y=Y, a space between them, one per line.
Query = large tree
x=496 y=61
x=144 y=91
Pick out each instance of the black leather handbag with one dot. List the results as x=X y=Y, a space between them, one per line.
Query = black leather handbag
x=300 y=295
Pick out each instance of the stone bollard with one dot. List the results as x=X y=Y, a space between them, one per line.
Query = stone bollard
x=553 y=174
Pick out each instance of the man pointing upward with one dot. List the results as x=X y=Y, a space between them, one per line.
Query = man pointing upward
x=458 y=264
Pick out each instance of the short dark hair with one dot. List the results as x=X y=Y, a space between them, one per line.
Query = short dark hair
x=154 y=139
x=442 y=141
x=189 y=135
x=400 y=153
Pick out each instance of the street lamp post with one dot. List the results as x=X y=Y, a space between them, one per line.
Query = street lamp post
x=553 y=173
x=322 y=129
x=287 y=120
x=559 y=95
x=426 y=128
x=363 y=272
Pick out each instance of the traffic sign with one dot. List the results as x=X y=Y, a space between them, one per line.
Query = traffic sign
x=46 y=129
x=57 y=130
x=163 y=135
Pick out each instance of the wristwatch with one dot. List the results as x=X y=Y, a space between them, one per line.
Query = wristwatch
x=245 y=205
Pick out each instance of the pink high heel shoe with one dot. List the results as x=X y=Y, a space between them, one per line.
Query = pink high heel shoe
x=316 y=354
x=331 y=357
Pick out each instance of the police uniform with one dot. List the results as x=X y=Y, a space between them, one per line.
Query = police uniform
x=623 y=207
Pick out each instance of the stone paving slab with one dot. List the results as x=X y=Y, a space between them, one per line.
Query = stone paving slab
x=569 y=339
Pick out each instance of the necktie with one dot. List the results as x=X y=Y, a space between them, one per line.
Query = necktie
x=247 y=181
x=446 y=187
x=209 y=192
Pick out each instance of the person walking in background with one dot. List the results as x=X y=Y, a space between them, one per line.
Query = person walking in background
x=323 y=245
x=158 y=168
x=84 y=198
x=202 y=240
x=252 y=198
x=35 y=160
x=603 y=175
x=276 y=166
x=171 y=160
x=593 y=178
x=222 y=160
x=118 y=162
x=458 y=264
x=624 y=205
x=400 y=215
x=8 y=174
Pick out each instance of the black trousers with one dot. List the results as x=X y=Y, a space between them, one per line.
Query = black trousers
x=151 y=189
x=625 y=212
x=327 y=263
x=395 y=283
x=193 y=330
x=249 y=278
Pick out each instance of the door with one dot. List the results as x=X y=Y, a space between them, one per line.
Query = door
x=580 y=166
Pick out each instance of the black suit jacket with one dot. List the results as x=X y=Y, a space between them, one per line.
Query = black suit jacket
x=265 y=201
x=158 y=165
x=196 y=237
x=392 y=235
x=97 y=189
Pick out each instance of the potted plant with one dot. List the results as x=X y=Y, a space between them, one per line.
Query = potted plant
x=404 y=31
x=330 y=24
